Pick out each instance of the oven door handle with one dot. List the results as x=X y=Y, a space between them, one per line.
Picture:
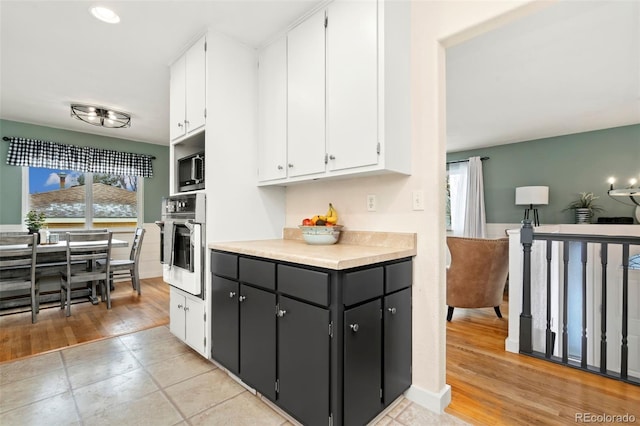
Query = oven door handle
x=189 y=223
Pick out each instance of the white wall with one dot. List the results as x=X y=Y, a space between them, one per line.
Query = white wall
x=434 y=24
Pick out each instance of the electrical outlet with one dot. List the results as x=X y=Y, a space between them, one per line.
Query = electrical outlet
x=418 y=200
x=372 y=203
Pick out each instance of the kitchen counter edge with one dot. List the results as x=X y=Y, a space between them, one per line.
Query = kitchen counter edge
x=337 y=256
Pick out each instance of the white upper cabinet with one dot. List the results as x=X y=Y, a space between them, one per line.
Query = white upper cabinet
x=306 y=97
x=272 y=111
x=352 y=84
x=348 y=100
x=187 y=107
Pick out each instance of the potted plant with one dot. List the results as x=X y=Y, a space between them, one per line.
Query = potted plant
x=584 y=207
x=34 y=221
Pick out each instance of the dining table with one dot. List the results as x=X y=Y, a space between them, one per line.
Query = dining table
x=50 y=259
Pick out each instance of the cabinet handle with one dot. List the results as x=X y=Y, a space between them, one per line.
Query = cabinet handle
x=232 y=294
x=242 y=298
x=354 y=327
x=186 y=308
x=332 y=157
x=280 y=167
x=290 y=165
x=392 y=310
x=180 y=306
x=281 y=313
x=186 y=122
x=179 y=124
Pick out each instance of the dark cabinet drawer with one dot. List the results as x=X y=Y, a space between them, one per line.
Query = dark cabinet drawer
x=398 y=276
x=224 y=264
x=258 y=272
x=305 y=284
x=359 y=286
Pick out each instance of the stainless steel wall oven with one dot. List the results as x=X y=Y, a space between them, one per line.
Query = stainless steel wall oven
x=183 y=242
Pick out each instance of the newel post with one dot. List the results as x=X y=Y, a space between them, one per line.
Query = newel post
x=526 y=323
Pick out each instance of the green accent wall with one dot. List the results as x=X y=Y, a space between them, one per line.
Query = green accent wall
x=570 y=164
x=155 y=187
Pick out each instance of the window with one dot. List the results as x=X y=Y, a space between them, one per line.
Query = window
x=456 y=196
x=72 y=199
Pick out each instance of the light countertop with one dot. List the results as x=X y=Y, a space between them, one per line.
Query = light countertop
x=354 y=248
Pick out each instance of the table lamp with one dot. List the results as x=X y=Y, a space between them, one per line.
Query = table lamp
x=532 y=196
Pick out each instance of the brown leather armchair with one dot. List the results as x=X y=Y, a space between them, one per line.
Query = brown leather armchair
x=478 y=273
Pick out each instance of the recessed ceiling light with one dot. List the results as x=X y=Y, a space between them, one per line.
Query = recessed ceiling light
x=105 y=15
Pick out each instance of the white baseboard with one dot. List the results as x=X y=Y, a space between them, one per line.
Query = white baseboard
x=435 y=402
x=512 y=345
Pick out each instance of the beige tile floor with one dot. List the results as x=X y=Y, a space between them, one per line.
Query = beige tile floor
x=144 y=378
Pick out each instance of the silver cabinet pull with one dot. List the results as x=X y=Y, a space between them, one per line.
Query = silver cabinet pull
x=242 y=298
x=281 y=313
x=186 y=308
x=232 y=294
x=179 y=124
x=354 y=327
x=180 y=306
x=290 y=165
x=332 y=157
x=392 y=310
x=280 y=167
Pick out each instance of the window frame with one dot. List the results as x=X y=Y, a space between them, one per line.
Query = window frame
x=88 y=199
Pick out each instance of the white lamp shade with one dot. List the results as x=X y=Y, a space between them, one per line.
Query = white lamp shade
x=536 y=195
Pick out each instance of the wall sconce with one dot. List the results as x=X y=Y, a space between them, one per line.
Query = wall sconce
x=629 y=191
x=99 y=116
x=532 y=195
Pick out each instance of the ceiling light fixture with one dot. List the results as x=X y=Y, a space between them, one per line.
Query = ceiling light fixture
x=105 y=15
x=99 y=116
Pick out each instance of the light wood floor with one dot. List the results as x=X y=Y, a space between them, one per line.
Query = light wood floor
x=129 y=312
x=489 y=386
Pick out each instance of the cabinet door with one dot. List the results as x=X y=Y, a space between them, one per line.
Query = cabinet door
x=176 y=313
x=303 y=361
x=272 y=111
x=196 y=66
x=177 y=106
x=362 y=363
x=397 y=344
x=352 y=84
x=258 y=340
x=306 y=97
x=225 y=344
x=195 y=333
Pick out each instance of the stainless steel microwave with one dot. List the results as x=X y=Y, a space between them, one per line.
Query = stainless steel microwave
x=191 y=172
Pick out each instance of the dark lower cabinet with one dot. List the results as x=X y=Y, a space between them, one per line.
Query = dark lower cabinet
x=328 y=347
x=258 y=340
x=397 y=344
x=225 y=331
x=303 y=361
x=362 y=363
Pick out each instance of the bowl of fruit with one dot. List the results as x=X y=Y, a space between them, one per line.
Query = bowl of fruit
x=321 y=229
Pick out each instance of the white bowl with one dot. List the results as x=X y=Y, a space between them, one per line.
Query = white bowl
x=320 y=235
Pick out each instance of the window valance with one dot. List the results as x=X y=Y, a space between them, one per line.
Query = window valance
x=37 y=153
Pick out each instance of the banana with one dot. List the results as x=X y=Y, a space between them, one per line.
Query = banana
x=332 y=215
x=315 y=219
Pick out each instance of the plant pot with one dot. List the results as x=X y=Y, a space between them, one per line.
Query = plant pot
x=583 y=215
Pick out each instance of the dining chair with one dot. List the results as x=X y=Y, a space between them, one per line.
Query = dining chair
x=95 y=249
x=18 y=267
x=128 y=268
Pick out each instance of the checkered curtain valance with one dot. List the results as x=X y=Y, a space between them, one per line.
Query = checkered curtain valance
x=37 y=153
